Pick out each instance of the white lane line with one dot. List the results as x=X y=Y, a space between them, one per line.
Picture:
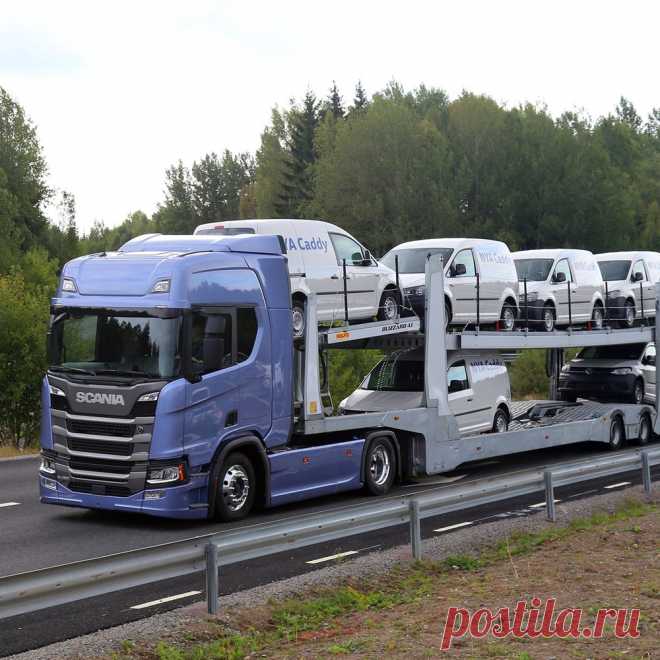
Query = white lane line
x=4 y=504
x=540 y=505
x=456 y=526
x=339 y=555
x=619 y=485
x=167 y=599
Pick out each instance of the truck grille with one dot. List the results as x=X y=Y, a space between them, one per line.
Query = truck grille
x=100 y=465
x=100 y=447
x=99 y=489
x=100 y=428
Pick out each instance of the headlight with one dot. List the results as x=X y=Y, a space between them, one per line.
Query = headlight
x=566 y=368
x=615 y=293
x=68 y=285
x=415 y=291
x=55 y=391
x=622 y=371
x=162 y=286
x=531 y=297
x=151 y=396
x=47 y=465
x=166 y=474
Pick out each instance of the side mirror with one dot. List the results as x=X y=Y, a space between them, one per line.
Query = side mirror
x=637 y=277
x=458 y=270
x=357 y=259
x=649 y=361
x=558 y=278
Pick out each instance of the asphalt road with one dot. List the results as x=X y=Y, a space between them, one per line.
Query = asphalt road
x=36 y=536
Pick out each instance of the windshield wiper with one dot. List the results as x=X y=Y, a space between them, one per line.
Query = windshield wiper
x=71 y=370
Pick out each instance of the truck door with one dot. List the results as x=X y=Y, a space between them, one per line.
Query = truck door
x=462 y=281
x=462 y=400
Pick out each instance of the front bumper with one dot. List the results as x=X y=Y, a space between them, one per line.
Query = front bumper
x=533 y=311
x=600 y=386
x=189 y=501
x=616 y=308
x=417 y=303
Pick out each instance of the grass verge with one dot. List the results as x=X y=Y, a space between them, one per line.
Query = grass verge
x=7 y=451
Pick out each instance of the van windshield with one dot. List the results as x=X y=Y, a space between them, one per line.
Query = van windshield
x=626 y=352
x=613 y=271
x=396 y=375
x=533 y=270
x=413 y=260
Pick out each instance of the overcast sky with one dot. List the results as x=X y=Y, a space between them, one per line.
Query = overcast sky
x=121 y=90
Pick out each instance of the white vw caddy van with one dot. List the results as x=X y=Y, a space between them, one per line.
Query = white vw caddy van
x=316 y=250
x=629 y=276
x=549 y=275
x=464 y=259
x=479 y=389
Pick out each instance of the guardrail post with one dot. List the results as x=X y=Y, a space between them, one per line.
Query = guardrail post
x=415 y=530
x=549 y=496
x=211 y=579
x=646 y=472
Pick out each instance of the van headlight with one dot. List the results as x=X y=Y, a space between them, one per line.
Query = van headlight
x=161 y=475
x=621 y=371
x=415 y=291
x=531 y=297
x=615 y=293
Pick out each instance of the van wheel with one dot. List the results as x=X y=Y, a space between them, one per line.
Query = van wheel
x=235 y=487
x=637 y=394
x=548 y=318
x=645 y=430
x=501 y=421
x=508 y=317
x=298 y=318
x=617 y=434
x=628 y=314
x=447 y=315
x=380 y=467
x=597 y=317
x=388 y=310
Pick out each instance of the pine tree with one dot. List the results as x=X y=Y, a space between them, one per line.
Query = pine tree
x=360 y=102
x=335 y=105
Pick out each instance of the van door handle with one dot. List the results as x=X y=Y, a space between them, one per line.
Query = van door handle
x=469 y=400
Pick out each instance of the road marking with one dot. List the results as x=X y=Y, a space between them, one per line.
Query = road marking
x=540 y=505
x=339 y=555
x=167 y=599
x=621 y=484
x=4 y=504
x=456 y=526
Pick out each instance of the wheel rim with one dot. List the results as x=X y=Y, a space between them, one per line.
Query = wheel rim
x=639 y=393
x=235 y=487
x=630 y=315
x=508 y=318
x=598 y=318
x=379 y=466
x=500 y=424
x=548 y=320
x=298 y=319
x=615 y=436
x=389 y=308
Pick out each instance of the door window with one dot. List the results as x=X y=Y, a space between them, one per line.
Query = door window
x=463 y=265
x=563 y=267
x=638 y=267
x=347 y=248
x=457 y=379
x=246 y=322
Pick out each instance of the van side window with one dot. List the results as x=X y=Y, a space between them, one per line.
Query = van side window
x=563 y=267
x=457 y=379
x=466 y=259
x=211 y=341
x=246 y=331
x=347 y=248
x=638 y=267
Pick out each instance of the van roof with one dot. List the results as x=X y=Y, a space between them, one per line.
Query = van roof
x=625 y=256
x=454 y=243
x=177 y=245
x=265 y=221
x=553 y=253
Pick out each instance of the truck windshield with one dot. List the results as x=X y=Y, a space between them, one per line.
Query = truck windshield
x=394 y=375
x=625 y=352
x=413 y=260
x=128 y=344
x=533 y=270
x=613 y=271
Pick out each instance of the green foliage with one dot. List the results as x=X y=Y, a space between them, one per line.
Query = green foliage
x=528 y=375
x=347 y=369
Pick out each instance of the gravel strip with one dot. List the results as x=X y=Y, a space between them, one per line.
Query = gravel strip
x=460 y=541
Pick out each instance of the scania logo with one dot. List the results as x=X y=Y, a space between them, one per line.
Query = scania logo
x=98 y=397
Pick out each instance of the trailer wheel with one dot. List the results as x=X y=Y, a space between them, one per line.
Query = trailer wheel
x=501 y=421
x=235 y=487
x=380 y=467
x=617 y=434
x=645 y=430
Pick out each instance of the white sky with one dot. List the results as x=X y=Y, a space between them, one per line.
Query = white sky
x=121 y=90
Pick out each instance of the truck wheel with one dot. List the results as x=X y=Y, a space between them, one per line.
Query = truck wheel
x=645 y=430
x=500 y=422
x=508 y=317
x=380 y=467
x=388 y=309
x=617 y=434
x=298 y=318
x=628 y=315
x=235 y=487
x=637 y=394
x=548 y=318
x=597 y=317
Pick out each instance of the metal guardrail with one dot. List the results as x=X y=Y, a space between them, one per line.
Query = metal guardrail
x=48 y=587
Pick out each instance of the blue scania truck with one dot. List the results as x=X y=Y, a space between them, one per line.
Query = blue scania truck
x=175 y=387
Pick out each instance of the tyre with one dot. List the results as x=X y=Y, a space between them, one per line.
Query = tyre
x=645 y=430
x=508 y=317
x=628 y=315
x=637 y=394
x=235 y=487
x=548 y=320
x=617 y=434
x=597 y=317
x=500 y=421
x=388 y=309
x=380 y=466
x=298 y=318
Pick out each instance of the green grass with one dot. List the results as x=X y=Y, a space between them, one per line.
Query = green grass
x=9 y=451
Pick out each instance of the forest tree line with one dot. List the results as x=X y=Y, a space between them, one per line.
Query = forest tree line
x=389 y=167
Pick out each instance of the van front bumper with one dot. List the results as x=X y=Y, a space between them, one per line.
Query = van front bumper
x=187 y=501
x=613 y=388
x=533 y=312
x=616 y=308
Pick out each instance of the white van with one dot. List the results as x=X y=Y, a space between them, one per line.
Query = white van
x=465 y=258
x=315 y=251
x=553 y=279
x=630 y=276
x=479 y=389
